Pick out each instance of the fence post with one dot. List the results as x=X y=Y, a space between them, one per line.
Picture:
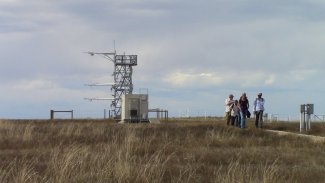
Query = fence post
x=52 y=114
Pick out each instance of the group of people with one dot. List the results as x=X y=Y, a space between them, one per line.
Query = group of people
x=238 y=110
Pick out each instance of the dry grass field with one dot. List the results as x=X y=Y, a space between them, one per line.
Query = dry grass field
x=193 y=151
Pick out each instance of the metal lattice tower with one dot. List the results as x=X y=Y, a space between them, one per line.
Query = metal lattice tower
x=122 y=79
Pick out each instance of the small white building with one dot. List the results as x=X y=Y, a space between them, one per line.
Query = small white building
x=134 y=108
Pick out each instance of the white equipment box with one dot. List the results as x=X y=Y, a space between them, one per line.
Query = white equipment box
x=134 y=108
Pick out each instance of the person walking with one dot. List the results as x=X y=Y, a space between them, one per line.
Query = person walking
x=258 y=110
x=235 y=114
x=243 y=106
x=229 y=102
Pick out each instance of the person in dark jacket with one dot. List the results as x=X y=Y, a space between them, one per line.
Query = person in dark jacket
x=243 y=106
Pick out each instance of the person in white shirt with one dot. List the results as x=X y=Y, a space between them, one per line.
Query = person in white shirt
x=235 y=114
x=258 y=110
x=229 y=102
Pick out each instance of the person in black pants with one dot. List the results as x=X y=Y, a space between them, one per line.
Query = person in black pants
x=258 y=110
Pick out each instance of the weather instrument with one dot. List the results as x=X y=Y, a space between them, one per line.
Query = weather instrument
x=123 y=70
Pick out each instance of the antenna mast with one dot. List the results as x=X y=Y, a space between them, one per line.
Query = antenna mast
x=122 y=78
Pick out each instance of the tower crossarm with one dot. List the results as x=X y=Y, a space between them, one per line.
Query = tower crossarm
x=108 y=55
x=99 y=98
x=100 y=84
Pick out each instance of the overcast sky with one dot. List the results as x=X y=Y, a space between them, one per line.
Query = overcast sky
x=191 y=54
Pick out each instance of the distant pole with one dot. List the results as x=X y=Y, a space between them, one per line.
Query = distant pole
x=308 y=121
x=114 y=47
x=301 y=122
x=305 y=120
x=302 y=117
x=52 y=114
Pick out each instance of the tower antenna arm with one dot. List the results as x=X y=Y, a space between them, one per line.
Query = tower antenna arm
x=107 y=55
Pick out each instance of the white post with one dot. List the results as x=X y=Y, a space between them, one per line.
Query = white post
x=306 y=122
x=309 y=121
x=302 y=122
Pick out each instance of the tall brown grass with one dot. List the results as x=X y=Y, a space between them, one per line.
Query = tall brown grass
x=175 y=151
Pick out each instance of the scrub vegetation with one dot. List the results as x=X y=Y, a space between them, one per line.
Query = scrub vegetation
x=65 y=151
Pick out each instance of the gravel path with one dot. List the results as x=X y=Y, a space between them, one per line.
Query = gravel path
x=312 y=137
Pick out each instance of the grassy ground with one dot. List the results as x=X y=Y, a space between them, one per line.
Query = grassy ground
x=174 y=151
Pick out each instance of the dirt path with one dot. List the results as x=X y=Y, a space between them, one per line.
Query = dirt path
x=312 y=137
